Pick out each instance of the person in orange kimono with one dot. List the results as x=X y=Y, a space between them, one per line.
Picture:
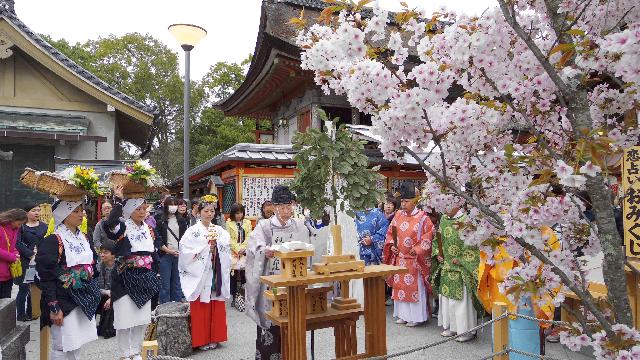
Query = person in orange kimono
x=408 y=244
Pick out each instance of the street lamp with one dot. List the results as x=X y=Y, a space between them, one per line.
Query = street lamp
x=188 y=36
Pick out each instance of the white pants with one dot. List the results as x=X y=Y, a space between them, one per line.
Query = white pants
x=457 y=315
x=127 y=315
x=416 y=312
x=67 y=340
x=130 y=340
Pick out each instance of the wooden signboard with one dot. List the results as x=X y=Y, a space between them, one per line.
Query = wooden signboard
x=631 y=207
x=256 y=190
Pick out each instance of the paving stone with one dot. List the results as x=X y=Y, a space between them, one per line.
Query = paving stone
x=242 y=337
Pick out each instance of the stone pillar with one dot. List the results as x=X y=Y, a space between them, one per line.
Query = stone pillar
x=13 y=337
x=173 y=330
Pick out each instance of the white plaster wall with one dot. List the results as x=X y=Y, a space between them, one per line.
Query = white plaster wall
x=293 y=127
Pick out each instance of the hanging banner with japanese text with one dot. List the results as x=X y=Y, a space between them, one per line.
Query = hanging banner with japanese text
x=631 y=207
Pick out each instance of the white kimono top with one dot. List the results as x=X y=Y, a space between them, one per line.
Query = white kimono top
x=195 y=264
x=262 y=238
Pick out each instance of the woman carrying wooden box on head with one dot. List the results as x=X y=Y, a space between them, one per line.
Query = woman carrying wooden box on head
x=204 y=265
x=135 y=282
x=65 y=262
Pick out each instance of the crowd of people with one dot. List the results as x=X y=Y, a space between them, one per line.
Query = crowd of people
x=143 y=255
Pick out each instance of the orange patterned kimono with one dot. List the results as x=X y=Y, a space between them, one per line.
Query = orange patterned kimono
x=415 y=231
x=491 y=275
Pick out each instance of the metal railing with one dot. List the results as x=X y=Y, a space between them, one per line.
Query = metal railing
x=499 y=342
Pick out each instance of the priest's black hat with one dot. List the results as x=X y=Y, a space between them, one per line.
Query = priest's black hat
x=407 y=190
x=282 y=195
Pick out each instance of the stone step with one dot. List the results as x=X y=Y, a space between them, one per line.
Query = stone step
x=7 y=316
x=13 y=344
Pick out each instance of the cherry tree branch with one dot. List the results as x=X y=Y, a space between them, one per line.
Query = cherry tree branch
x=619 y=22
x=540 y=136
x=510 y=18
x=497 y=221
x=581 y=319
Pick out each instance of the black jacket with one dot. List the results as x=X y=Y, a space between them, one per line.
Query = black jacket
x=49 y=268
x=162 y=232
x=123 y=247
x=28 y=239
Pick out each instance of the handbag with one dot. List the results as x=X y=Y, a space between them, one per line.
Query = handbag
x=105 y=327
x=30 y=274
x=238 y=299
x=15 y=268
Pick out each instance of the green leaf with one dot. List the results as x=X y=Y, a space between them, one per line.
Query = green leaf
x=576 y=32
x=561 y=47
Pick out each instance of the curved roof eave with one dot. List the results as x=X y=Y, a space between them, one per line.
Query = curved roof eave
x=43 y=52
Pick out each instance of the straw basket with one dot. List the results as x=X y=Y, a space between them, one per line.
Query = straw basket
x=132 y=189
x=29 y=177
x=47 y=182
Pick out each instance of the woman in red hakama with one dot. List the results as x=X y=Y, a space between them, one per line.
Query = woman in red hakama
x=204 y=265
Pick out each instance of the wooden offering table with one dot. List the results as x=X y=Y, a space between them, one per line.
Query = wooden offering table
x=295 y=325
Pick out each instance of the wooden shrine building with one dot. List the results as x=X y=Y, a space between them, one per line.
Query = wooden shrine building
x=276 y=89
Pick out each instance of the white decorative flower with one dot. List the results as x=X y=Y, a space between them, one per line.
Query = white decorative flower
x=573 y=181
x=408 y=279
x=590 y=169
x=404 y=226
x=401 y=294
x=146 y=164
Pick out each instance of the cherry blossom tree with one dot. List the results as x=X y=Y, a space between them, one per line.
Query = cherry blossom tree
x=514 y=114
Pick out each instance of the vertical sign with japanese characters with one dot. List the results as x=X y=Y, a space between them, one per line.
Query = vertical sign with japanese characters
x=631 y=208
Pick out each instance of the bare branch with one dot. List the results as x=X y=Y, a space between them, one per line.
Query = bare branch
x=619 y=22
x=578 y=317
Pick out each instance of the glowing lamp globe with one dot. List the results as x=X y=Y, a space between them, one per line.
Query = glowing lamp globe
x=187 y=35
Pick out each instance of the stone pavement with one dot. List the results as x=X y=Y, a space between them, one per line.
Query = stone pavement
x=242 y=334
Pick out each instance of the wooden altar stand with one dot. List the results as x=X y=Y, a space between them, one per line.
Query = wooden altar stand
x=294 y=326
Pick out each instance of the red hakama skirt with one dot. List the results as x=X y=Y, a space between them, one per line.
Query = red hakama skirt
x=208 y=322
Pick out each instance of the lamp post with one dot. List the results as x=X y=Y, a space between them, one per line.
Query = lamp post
x=188 y=36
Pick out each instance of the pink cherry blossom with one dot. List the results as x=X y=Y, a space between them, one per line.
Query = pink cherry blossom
x=479 y=108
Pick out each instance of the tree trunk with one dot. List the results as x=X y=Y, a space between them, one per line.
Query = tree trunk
x=613 y=260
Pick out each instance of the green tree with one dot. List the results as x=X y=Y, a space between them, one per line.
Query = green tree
x=213 y=133
x=147 y=70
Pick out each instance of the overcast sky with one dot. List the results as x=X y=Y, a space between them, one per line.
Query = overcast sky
x=232 y=25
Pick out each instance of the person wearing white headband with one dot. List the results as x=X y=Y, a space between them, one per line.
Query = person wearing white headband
x=70 y=294
x=135 y=283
